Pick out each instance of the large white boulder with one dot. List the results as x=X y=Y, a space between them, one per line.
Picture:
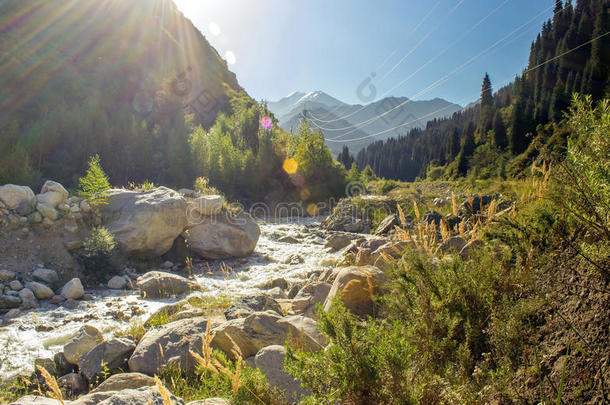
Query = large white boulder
x=223 y=236
x=145 y=222
x=13 y=196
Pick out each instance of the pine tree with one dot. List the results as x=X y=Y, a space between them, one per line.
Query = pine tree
x=499 y=139
x=486 y=92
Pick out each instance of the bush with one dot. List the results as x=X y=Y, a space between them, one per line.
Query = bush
x=98 y=256
x=364 y=363
x=386 y=186
x=583 y=187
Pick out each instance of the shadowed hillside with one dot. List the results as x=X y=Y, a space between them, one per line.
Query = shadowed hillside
x=125 y=79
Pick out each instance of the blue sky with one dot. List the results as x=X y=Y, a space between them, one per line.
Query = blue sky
x=279 y=46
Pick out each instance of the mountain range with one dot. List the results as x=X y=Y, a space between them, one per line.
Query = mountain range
x=358 y=125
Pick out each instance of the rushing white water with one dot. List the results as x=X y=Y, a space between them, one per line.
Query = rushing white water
x=44 y=331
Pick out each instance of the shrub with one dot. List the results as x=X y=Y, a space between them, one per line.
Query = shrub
x=583 y=187
x=94 y=183
x=364 y=363
x=386 y=186
x=98 y=256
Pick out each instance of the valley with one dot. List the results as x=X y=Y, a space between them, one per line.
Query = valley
x=170 y=236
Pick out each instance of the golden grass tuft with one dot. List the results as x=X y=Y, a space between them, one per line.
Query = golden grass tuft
x=51 y=382
x=166 y=396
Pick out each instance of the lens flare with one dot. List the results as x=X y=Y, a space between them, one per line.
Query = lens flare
x=230 y=57
x=214 y=29
x=266 y=123
x=312 y=209
x=290 y=166
x=305 y=194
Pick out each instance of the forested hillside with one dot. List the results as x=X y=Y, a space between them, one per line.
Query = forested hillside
x=138 y=84
x=501 y=135
x=113 y=77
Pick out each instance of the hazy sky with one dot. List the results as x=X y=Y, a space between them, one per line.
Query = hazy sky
x=279 y=46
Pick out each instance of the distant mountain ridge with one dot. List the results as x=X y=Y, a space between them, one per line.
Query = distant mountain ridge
x=343 y=123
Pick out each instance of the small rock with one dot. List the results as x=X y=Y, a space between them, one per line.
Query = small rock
x=71 y=227
x=109 y=355
x=73 y=383
x=47 y=211
x=206 y=205
x=63 y=207
x=432 y=217
x=88 y=297
x=41 y=291
x=294 y=259
x=156 y=284
x=35 y=217
x=73 y=245
x=35 y=400
x=15 y=285
x=62 y=366
x=117 y=283
x=6 y=275
x=73 y=289
x=210 y=401
x=337 y=242
x=44 y=327
x=57 y=299
x=85 y=339
x=280 y=283
x=355 y=286
x=387 y=224
x=47 y=276
x=123 y=381
x=288 y=239
x=12 y=314
x=270 y=361
x=470 y=248
x=244 y=306
x=167 y=265
x=452 y=244
x=85 y=207
x=70 y=304
x=28 y=299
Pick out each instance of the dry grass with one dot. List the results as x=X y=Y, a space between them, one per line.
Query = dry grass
x=210 y=363
x=166 y=396
x=51 y=382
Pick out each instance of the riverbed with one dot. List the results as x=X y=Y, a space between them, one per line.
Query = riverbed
x=288 y=248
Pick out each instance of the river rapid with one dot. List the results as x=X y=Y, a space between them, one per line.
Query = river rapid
x=288 y=248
